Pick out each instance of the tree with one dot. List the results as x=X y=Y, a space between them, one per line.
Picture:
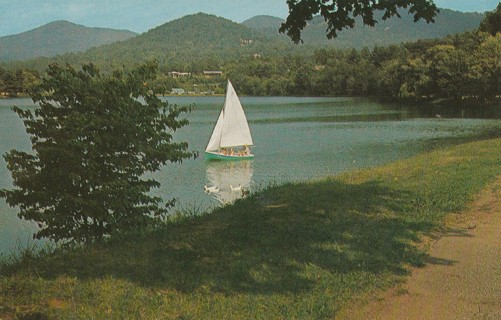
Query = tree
x=94 y=136
x=450 y=71
x=486 y=68
x=492 y=21
x=341 y=14
x=417 y=81
x=10 y=84
x=390 y=78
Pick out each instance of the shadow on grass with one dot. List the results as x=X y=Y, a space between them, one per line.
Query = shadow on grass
x=287 y=239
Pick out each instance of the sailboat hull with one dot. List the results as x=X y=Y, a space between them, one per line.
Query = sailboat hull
x=217 y=156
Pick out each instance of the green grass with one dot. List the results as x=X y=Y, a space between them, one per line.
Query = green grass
x=296 y=251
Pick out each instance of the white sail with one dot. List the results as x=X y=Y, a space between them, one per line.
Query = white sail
x=215 y=139
x=231 y=128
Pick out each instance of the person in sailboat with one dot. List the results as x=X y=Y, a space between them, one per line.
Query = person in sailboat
x=247 y=150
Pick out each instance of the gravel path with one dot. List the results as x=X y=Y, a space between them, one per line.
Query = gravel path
x=462 y=278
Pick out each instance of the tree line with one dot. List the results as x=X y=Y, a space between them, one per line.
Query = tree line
x=17 y=82
x=461 y=66
x=466 y=65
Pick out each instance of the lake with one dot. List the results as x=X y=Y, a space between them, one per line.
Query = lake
x=295 y=139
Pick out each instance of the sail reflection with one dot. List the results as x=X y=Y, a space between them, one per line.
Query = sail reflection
x=228 y=181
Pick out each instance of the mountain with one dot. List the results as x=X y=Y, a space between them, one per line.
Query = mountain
x=55 y=38
x=197 y=35
x=182 y=44
x=206 y=42
x=392 y=31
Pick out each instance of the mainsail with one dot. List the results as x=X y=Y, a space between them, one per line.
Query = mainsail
x=231 y=128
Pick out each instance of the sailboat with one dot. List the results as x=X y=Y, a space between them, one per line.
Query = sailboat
x=231 y=138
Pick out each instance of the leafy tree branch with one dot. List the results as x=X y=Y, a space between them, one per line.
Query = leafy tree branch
x=341 y=14
x=94 y=136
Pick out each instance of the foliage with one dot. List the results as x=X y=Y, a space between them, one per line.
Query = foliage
x=462 y=66
x=93 y=140
x=13 y=83
x=492 y=21
x=486 y=69
x=340 y=14
x=297 y=251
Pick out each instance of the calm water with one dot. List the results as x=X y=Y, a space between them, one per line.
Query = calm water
x=296 y=139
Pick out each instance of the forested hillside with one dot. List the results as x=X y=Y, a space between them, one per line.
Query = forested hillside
x=192 y=43
x=55 y=38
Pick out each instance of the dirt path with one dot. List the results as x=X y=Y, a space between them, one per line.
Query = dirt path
x=461 y=280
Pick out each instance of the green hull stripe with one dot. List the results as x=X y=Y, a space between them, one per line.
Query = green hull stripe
x=217 y=156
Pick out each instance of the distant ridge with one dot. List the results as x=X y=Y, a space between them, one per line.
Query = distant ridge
x=264 y=23
x=56 y=38
x=392 y=31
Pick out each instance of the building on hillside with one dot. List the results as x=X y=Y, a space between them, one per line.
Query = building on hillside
x=208 y=74
x=178 y=91
x=177 y=74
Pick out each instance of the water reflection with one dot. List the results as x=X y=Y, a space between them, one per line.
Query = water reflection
x=228 y=181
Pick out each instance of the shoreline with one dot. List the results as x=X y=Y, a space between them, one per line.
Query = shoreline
x=299 y=250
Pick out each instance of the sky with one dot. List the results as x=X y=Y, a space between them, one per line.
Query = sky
x=18 y=16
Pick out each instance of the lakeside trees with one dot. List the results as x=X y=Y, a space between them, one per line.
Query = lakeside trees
x=462 y=66
x=94 y=136
x=466 y=65
x=15 y=82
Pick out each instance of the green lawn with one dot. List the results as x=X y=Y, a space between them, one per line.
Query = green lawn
x=296 y=251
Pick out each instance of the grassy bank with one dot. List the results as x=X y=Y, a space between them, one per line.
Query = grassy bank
x=297 y=251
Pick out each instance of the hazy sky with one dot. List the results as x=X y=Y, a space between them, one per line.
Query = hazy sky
x=17 y=16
